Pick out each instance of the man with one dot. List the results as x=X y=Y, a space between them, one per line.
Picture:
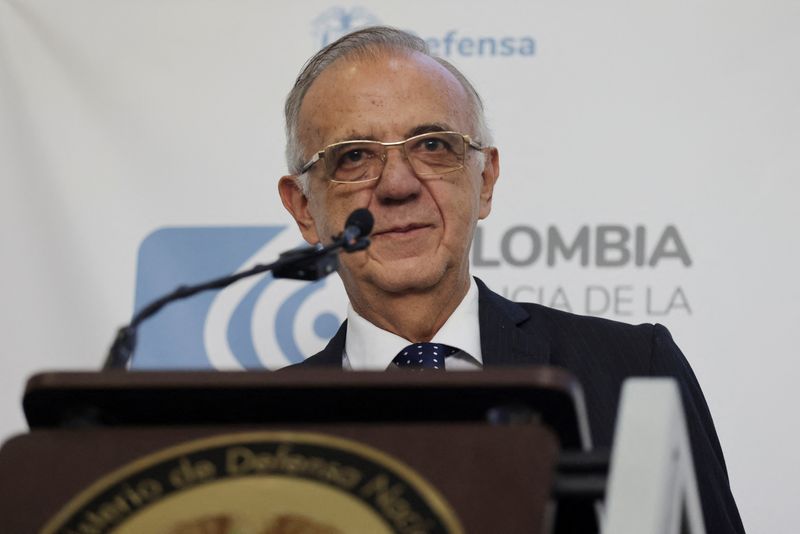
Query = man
x=375 y=122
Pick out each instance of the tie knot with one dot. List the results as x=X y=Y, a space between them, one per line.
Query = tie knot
x=421 y=356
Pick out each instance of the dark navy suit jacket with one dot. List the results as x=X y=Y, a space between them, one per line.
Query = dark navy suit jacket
x=601 y=354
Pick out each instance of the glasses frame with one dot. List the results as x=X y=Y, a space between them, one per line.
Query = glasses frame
x=468 y=142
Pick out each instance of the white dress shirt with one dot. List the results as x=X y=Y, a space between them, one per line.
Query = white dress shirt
x=370 y=348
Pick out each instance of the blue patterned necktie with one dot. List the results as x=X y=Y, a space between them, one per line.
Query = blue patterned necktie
x=424 y=356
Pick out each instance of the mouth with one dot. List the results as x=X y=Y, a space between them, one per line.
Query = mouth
x=401 y=230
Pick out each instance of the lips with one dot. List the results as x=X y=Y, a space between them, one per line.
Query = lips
x=402 y=229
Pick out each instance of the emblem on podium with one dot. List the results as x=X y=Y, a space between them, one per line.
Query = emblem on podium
x=265 y=482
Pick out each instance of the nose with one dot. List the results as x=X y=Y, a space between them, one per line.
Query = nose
x=398 y=182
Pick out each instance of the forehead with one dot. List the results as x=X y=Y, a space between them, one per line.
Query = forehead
x=384 y=97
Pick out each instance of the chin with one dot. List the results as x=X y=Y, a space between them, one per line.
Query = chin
x=410 y=275
x=395 y=271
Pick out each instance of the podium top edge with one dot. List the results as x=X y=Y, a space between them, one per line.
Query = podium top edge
x=547 y=377
x=131 y=398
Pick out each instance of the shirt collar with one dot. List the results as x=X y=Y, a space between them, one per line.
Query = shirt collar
x=370 y=348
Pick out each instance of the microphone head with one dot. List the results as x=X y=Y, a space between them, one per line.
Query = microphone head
x=361 y=219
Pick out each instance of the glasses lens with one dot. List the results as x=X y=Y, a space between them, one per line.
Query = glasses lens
x=436 y=153
x=354 y=161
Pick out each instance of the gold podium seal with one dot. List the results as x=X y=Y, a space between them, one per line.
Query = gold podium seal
x=260 y=483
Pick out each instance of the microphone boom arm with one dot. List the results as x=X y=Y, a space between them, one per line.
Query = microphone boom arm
x=305 y=263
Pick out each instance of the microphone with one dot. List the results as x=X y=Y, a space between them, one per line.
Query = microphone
x=356 y=229
x=306 y=263
x=313 y=263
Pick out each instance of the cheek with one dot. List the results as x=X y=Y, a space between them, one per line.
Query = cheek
x=331 y=206
x=319 y=209
x=459 y=207
x=467 y=198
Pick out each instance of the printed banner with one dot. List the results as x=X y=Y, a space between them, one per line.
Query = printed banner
x=648 y=164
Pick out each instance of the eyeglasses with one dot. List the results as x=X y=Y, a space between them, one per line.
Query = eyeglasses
x=432 y=154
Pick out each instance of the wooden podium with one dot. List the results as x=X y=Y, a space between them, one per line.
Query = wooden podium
x=314 y=451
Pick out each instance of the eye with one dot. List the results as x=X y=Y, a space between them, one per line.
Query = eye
x=434 y=144
x=352 y=156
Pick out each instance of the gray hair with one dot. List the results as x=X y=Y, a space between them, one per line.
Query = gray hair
x=365 y=43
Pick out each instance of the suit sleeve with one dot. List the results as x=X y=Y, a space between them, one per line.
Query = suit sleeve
x=719 y=508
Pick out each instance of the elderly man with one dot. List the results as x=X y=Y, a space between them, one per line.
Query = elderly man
x=374 y=121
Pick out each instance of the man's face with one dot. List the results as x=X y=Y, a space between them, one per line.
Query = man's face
x=423 y=227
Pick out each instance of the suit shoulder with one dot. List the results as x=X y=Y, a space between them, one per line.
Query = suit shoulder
x=602 y=344
x=569 y=331
x=560 y=319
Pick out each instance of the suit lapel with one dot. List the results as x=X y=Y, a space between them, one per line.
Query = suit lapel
x=503 y=341
x=331 y=355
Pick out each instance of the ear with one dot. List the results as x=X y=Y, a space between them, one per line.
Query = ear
x=296 y=203
x=490 y=174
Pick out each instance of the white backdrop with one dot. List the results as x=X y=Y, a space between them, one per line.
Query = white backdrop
x=660 y=121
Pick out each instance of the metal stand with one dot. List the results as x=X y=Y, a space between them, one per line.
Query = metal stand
x=652 y=487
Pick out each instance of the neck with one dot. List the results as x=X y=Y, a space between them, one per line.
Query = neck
x=412 y=315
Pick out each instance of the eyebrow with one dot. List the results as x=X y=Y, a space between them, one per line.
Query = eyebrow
x=428 y=128
x=355 y=136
